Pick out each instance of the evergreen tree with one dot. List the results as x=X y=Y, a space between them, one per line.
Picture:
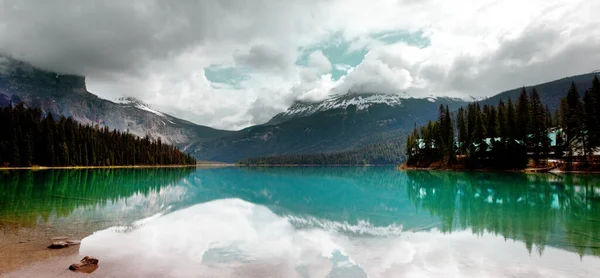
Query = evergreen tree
x=573 y=117
x=549 y=118
x=502 y=120
x=492 y=123
x=471 y=123
x=511 y=119
x=462 y=130
x=27 y=151
x=479 y=131
x=563 y=112
x=590 y=122
x=16 y=156
x=523 y=112
x=485 y=114
x=451 y=153
x=595 y=96
x=537 y=124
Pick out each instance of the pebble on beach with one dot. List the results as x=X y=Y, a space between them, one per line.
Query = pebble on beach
x=87 y=265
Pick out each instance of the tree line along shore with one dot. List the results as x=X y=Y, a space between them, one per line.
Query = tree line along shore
x=29 y=139
x=513 y=135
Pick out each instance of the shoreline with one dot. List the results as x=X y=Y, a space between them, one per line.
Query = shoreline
x=115 y=167
x=23 y=247
x=315 y=165
x=403 y=167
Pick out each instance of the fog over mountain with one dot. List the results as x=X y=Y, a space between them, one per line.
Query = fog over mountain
x=230 y=63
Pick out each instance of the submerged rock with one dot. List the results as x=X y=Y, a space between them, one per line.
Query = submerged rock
x=58 y=245
x=87 y=265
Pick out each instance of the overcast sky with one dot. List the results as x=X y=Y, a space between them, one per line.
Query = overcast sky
x=233 y=63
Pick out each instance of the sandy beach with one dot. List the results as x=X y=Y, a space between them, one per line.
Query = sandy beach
x=21 y=247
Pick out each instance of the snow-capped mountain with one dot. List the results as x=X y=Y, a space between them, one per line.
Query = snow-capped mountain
x=362 y=102
x=339 y=123
x=134 y=102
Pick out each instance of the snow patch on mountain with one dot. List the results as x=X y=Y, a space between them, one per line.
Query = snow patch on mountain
x=361 y=102
x=131 y=101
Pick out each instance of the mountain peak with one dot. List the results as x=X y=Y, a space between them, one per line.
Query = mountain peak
x=130 y=100
x=134 y=102
x=362 y=101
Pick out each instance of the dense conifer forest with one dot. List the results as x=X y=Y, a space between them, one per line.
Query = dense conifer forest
x=512 y=135
x=27 y=139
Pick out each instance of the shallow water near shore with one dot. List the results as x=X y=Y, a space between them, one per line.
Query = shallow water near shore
x=311 y=222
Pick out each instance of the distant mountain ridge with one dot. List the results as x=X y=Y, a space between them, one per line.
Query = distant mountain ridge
x=550 y=92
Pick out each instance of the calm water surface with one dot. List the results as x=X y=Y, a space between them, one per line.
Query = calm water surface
x=317 y=222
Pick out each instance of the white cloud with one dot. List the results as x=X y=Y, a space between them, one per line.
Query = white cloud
x=318 y=60
x=343 y=67
x=157 y=50
x=374 y=76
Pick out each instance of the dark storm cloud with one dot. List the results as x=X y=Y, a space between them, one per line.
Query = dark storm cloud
x=265 y=57
x=122 y=36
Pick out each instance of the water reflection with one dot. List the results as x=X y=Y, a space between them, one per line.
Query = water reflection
x=535 y=210
x=108 y=196
x=539 y=210
x=235 y=238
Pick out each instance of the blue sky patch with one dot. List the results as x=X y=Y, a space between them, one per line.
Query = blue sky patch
x=231 y=76
x=340 y=53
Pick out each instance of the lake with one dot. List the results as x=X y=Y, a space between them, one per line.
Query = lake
x=315 y=222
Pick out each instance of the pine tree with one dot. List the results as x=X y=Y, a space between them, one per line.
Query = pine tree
x=523 y=112
x=15 y=147
x=492 y=123
x=479 y=131
x=563 y=112
x=27 y=151
x=595 y=92
x=450 y=152
x=590 y=122
x=549 y=118
x=511 y=118
x=573 y=117
x=471 y=123
x=537 y=123
x=412 y=145
x=462 y=130
x=502 y=120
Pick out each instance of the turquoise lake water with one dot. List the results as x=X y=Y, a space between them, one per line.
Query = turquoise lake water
x=317 y=222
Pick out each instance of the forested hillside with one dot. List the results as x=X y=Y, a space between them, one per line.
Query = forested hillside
x=27 y=138
x=387 y=153
x=550 y=92
x=508 y=136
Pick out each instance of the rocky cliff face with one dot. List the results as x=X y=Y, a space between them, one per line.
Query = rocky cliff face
x=67 y=95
